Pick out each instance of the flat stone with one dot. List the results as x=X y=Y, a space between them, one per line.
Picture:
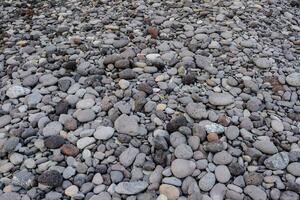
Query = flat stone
x=104 y=132
x=4 y=120
x=131 y=188
x=10 y=196
x=127 y=157
x=84 y=142
x=265 y=146
x=85 y=115
x=127 y=125
x=85 y=103
x=220 y=99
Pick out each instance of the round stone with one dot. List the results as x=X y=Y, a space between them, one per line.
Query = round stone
x=54 y=142
x=232 y=132
x=182 y=168
x=71 y=190
x=294 y=168
x=69 y=150
x=293 y=79
x=183 y=151
x=196 y=110
x=207 y=182
x=222 y=173
x=104 y=132
x=220 y=99
x=222 y=158
x=170 y=191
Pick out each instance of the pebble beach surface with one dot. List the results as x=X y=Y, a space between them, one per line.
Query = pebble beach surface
x=149 y=99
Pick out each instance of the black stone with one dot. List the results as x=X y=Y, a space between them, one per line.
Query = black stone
x=175 y=123
x=54 y=142
x=51 y=178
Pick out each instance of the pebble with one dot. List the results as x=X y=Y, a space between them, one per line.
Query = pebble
x=220 y=99
x=293 y=79
x=51 y=178
x=222 y=173
x=170 y=191
x=255 y=192
x=277 y=161
x=24 y=179
x=17 y=91
x=52 y=128
x=131 y=188
x=207 y=182
x=104 y=133
x=127 y=125
x=54 y=142
x=84 y=142
x=182 y=168
x=294 y=168
x=265 y=146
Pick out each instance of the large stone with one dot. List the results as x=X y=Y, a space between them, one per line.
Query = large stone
x=207 y=182
x=51 y=178
x=131 y=188
x=196 y=110
x=52 y=128
x=127 y=125
x=104 y=132
x=127 y=157
x=182 y=168
x=220 y=99
x=278 y=161
x=17 y=91
x=84 y=142
x=294 y=168
x=170 y=191
x=255 y=192
x=265 y=146
x=23 y=179
x=293 y=79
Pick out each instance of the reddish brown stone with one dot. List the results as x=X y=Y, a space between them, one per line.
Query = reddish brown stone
x=153 y=32
x=71 y=124
x=69 y=150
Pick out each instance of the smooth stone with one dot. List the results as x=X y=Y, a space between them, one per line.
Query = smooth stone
x=85 y=115
x=294 y=168
x=264 y=63
x=277 y=125
x=218 y=191
x=104 y=132
x=183 y=151
x=128 y=156
x=222 y=158
x=220 y=99
x=52 y=128
x=85 y=103
x=10 y=196
x=170 y=191
x=265 y=146
x=232 y=132
x=84 y=142
x=293 y=79
x=207 y=182
x=222 y=173
x=255 y=192
x=131 y=188
x=5 y=120
x=182 y=168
